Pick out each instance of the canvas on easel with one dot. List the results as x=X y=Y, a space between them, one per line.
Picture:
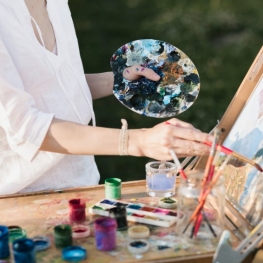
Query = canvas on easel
x=242 y=131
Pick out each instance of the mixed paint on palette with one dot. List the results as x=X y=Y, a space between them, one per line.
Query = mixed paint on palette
x=137 y=212
x=175 y=92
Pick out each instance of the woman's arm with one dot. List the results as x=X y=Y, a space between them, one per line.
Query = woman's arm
x=101 y=84
x=72 y=138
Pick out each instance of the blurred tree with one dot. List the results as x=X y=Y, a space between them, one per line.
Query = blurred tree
x=221 y=37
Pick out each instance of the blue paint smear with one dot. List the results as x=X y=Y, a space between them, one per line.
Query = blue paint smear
x=162 y=247
x=132 y=206
x=138 y=244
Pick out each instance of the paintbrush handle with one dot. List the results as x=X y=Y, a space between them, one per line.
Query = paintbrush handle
x=204 y=195
x=236 y=155
x=243 y=158
x=220 y=148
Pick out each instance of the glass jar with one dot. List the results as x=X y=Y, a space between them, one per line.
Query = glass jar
x=113 y=188
x=105 y=233
x=120 y=215
x=24 y=250
x=4 y=246
x=77 y=213
x=63 y=236
x=160 y=178
x=208 y=224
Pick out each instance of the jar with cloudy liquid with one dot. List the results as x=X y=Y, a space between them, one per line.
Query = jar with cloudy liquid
x=211 y=218
x=160 y=178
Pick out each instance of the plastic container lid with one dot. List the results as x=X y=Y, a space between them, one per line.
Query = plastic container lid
x=138 y=246
x=63 y=230
x=113 y=181
x=41 y=243
x=138 y=231
x=3 y=231
x=77 y=203
x=80 y=231
x=168 y=202
x=16 y=233
x=74 y=253
x=105 y=223
x=23 y=245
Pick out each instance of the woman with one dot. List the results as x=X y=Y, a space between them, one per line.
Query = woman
x=46 y=104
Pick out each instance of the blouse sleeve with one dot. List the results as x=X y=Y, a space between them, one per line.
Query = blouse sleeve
x=25 y=126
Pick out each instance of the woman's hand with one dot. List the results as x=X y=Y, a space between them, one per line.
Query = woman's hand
x=174 y=134
x=136 y=71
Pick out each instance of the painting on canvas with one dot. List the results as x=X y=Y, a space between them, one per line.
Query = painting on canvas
x=244 y=183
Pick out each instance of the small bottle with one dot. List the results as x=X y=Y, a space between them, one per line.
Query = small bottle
x=4 y=246
x=63 y=236
x=77 y=213
x=24 y=250
x=113 y=188
x=119 y=213
x=16 y=232
x=105 y=233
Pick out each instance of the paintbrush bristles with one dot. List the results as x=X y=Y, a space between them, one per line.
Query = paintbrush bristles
x=245 y=159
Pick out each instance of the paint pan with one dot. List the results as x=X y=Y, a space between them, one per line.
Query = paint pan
x=137 y=212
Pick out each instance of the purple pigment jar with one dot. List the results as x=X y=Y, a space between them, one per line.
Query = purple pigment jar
x=105 y=233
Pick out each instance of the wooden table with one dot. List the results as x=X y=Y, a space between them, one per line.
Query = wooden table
x=38 y=214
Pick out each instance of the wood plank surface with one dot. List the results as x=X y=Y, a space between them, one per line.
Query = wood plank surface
x=38 y=213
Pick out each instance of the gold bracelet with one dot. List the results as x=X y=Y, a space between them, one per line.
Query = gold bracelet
x=123 y=138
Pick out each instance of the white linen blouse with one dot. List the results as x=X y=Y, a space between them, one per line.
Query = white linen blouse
x=37 y=85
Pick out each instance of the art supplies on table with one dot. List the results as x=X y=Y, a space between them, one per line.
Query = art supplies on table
x=41 y=243
x=80 y=231
x=138 y=246
x=105 y=233
x=63 y=235
x=74 y=253
x=4 y=247
x=137 y=212
x=138 y=231
x=168 y=202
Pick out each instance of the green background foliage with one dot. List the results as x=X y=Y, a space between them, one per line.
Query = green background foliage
x=221 y=37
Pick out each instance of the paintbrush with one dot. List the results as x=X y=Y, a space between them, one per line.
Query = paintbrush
x=178 y=164
x=184 y=176
x=208 y=175
x=209 y=164
x=207 y=191
x=237 y=155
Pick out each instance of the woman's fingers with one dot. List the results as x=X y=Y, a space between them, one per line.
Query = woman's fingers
x=180 y=136
x=136 y=71
x=187 y=131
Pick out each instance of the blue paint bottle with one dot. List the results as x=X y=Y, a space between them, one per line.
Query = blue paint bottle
x=24 y=250
x=4 y=246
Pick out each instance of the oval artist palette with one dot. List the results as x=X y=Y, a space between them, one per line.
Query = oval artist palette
x=174 y=93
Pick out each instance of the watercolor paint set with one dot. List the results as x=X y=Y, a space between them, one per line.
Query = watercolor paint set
x=137 y=212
